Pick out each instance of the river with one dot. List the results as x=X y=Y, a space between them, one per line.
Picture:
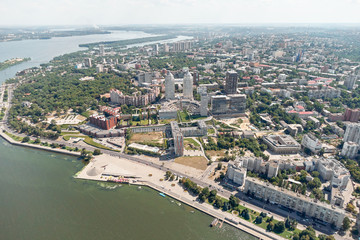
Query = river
x=42 y=51
x=41 y=200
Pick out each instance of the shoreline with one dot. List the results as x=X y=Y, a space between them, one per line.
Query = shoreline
x=242 y=225
x=103 y=168
x=36 y=146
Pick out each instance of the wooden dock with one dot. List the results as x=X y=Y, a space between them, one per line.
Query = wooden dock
x=221 y=223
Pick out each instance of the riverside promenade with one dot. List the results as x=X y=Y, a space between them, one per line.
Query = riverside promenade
x=37 y=146
x=104 y=166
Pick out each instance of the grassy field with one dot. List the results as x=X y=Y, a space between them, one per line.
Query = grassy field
x=183 y=116
x=211 y=131
x=16 y=138
x=191 y=144
x=197 y=117
x=69 y=133
x=150 y=137
x=195 y=162
x=140 y=123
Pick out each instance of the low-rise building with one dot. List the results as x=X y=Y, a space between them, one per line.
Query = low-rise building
x=282 y=144
x=168 y=113
x=103 y=122
x=197 y=131
x=311 y=142
x=325 y=92
x=316 y=121
x=294 y=129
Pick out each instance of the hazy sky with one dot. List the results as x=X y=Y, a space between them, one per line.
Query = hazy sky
x=100 y=12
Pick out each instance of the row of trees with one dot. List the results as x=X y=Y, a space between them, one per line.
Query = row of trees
x=204 y=194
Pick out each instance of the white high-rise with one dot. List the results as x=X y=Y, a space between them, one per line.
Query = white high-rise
x=169 y=86
x=188 y=86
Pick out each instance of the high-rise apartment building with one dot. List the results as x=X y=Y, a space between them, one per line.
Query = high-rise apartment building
x=231 y=82
x=188 y=86
x=178 y=139
x=349 y=82
x=169 y=86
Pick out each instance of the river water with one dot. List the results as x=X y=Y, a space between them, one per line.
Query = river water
x=40 y=199
x=42 y=51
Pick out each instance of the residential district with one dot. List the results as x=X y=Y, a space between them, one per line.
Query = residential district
x=263 y=126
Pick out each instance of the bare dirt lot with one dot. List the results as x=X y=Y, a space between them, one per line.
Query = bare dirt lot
x=215 y=154
x=154 y=137
x=195 y=162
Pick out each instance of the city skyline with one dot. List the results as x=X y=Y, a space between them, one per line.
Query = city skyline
x=80 y=12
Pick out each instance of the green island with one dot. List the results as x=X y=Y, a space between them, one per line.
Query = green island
x=122 y=43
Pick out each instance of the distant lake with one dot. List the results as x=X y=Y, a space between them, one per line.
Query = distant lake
x=42 y=51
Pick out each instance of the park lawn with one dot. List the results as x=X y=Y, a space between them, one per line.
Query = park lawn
x=183 y=116
x=149 y=137
x=197 y=162
x=140 y=123
x=191 y=144
x=16 y=138
x=68 y=133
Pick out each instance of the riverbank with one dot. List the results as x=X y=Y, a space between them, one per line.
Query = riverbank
x=12 y=62
x=104 y=167
x=36 y=146
x=122 y=43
